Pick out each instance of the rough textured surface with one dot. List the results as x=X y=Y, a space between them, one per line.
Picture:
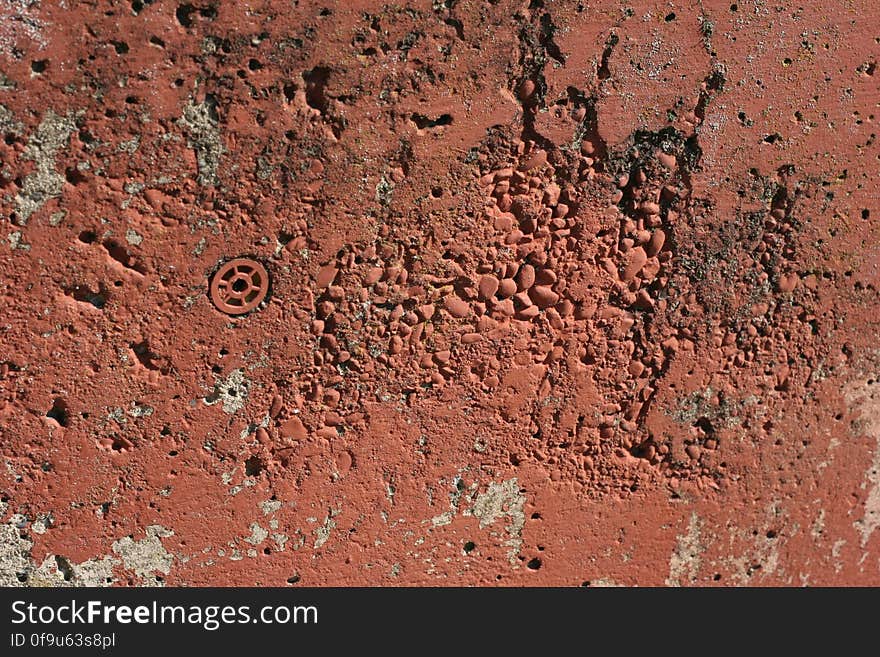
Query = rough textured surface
x=561 y=293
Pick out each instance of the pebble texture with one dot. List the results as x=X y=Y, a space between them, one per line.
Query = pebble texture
x=560 y=293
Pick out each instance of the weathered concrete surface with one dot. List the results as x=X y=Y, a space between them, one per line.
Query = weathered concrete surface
x=561 y=293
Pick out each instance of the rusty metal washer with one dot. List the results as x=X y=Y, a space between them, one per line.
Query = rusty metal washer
x=239 y=286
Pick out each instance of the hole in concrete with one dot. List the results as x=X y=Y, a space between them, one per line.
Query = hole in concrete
x=293 y=580
x=74 y=176
x=39 y=65
x=58 y=412
x=64 y=567
x=253 y=466
x=184 y=15
x=119 y=444
x=534 y=564
x=705 y=425
x=423 y=121
x=316 y=82
x=469 y=547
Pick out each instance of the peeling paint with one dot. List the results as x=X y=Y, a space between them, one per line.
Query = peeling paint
x=200 y=121
x=146 y=556
x=685 y=561
x=232 y=392
x=503 y=500
x=52 y=135
x=864 y=400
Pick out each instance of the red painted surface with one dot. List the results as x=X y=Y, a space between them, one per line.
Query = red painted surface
x=561 y=293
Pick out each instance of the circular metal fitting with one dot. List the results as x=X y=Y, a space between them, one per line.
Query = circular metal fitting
x=239 y=286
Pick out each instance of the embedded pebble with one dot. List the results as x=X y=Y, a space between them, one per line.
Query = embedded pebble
x=526 y=277
x=457 y=307
x=488 y=286
x=658 y=239
x=294 y=429
x=506 y=288
x=543 y=296
x=326 y=276
x=636 y=259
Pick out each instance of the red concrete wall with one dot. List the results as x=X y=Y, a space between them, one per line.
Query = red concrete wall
x=554 y=293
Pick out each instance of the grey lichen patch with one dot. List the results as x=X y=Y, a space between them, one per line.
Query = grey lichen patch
x=19 y=21
x=270 y=506
x=147 y=556
x=443 y=519
x=232 y=391
x=503 y=500
x=15 y=241
x=684 y=563
x=702 y=404
x=201 y=123
x=130 y=146
x=322 y=533
x=258 y=534
x=140 y=410
x=384 y=191
x=8 y=124
x=45 y=183
x=133 y=237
